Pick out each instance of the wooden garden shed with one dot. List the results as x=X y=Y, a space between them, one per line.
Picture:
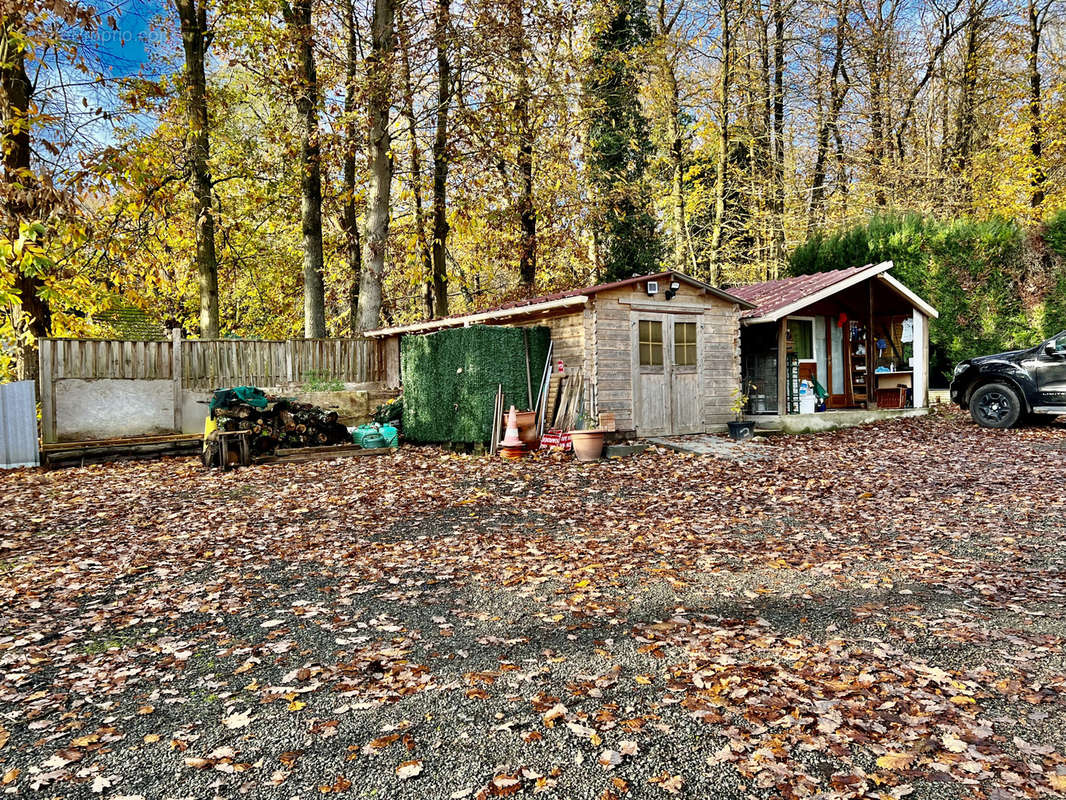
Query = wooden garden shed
x=661 y=352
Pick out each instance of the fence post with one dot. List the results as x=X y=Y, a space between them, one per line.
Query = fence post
x=175 y=374
x=48 y=390
x=290 y=352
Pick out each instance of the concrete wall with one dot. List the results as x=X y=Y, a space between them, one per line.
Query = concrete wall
x=106 y=408
x=354 y=404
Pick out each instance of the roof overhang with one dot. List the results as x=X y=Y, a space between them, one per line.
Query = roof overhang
x=852 y=280
x=545 y=309
x=907 y=294
x=714 y=291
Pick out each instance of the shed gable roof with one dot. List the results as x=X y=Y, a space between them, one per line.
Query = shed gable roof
x=550 y=303
x=776 y=299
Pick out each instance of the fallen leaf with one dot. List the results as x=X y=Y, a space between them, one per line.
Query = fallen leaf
x=239 y=720
x=609 y=759
x=895 y=760
x=504 y=785
x=953 y=742
x=553 y=713
x=408 y=769
x=289 y=757
x=101 y=782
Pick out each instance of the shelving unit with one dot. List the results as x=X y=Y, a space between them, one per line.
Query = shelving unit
x=859 y=364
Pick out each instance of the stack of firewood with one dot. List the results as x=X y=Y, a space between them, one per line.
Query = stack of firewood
x=283 y=424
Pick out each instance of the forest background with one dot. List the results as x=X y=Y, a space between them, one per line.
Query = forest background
x=277 y=168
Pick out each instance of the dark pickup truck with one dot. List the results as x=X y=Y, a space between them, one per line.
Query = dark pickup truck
x=1026 y=385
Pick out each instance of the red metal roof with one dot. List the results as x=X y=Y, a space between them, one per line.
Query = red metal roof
x=773 y=296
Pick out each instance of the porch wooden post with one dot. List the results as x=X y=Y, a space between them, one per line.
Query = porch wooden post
x=920 y=346
x=782 y=363
x=871 y=340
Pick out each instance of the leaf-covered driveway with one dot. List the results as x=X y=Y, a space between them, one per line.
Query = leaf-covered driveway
x=876 y=613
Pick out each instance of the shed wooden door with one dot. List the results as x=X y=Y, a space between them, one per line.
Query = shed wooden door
x=667 y=354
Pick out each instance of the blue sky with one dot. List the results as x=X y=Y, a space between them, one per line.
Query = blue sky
x=126 y=50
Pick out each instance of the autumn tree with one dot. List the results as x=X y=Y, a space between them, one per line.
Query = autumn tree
x=618 y=138
x=298 y=17
x=721 y=179
x=351 y=147
x=1037 y=12
x=196 y=39
x=379 y=76
x=32 y=198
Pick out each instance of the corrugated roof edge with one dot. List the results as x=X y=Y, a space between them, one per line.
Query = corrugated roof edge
x=551 y=301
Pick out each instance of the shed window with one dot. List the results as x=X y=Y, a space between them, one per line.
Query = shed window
x=685 y=344
x=650 y=334
x=801 y=332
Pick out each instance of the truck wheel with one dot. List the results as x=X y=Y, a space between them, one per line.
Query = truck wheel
x=995 y=405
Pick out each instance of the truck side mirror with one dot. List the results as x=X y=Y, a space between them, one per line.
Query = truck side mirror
x=1051 y=352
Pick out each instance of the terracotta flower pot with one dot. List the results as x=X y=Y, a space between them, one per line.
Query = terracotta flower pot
x=588 y=444
x=527 y=428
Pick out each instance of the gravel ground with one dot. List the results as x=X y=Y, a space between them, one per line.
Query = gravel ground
x=875 y=612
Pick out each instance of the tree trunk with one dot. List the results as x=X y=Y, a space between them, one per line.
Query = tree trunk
x=196 y=39
x=721 y=171
x=778 y=257
x=440 y=162
x=525 y=134
x=966 y=116
x=1036 y=143
x=299 y=19
x=425 y=252
x=674 y=138
x=875 y=44
x=32 y=314
x=527 y=213
x=378 y=69
x=828 y=125
x=350 y=215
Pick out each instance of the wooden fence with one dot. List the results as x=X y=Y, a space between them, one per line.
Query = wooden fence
x=201 y=365
x=207 y=364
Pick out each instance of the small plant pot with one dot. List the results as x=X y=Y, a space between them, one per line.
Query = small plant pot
x=588 y=444
x=741 y=431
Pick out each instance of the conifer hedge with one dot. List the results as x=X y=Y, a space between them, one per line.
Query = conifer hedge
x=450 y=379
x=997 y=285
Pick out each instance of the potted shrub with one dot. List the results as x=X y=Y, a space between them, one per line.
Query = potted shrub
x=740 y=429
x=587 y=442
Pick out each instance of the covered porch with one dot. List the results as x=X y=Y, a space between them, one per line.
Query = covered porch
x=856 y=339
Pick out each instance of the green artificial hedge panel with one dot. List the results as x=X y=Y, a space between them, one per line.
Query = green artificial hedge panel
x=450 y=379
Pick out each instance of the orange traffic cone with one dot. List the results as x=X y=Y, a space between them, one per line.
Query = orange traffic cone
x=512 y=446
